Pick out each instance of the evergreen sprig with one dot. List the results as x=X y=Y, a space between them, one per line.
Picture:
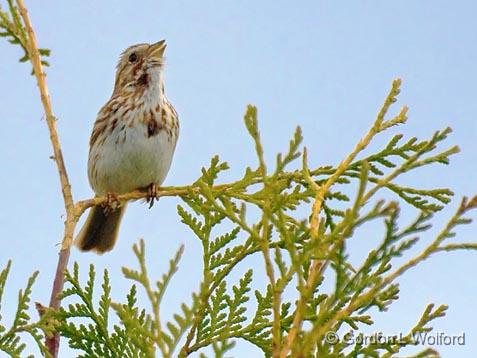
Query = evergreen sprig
x=13 y=29
x=10 y=338
x=139 y=332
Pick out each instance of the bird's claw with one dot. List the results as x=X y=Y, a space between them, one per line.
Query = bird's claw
x=111 y=203
x=151 y=195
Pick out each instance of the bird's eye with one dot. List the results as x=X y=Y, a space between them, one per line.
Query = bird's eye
x=133 y=57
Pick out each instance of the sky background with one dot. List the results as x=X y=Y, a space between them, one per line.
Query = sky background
x=323 y=65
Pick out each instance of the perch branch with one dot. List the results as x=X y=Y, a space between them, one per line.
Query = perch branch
x=81 y=206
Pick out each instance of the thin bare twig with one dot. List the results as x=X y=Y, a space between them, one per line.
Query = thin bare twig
x=40 y=75
x=34 y=55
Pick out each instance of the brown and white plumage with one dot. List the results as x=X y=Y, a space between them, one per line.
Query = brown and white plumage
x=133 y=140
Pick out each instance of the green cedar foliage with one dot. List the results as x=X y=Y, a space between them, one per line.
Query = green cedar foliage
x=11 y=341
x=217 y=315
x=11 y=27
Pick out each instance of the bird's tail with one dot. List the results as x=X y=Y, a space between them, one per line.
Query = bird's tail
x=100 y=231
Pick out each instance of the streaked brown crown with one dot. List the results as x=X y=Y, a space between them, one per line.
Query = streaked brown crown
x=135 y=60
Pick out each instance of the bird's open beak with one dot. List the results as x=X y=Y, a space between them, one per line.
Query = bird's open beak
x=157 y=50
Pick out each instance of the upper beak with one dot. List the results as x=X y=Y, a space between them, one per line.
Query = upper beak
x=157 y=50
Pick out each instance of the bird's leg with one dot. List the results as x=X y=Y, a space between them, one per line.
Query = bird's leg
x=151 y=195
x=112 y=203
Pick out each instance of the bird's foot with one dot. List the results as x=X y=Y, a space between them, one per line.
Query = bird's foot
x=151 y=195
x=111 y=203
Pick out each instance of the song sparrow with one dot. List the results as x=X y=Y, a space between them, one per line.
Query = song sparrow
x=133 y=141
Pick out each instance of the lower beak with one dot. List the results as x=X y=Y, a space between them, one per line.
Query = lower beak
x=157 y=50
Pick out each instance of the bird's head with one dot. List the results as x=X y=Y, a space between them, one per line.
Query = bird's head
x=140 y=65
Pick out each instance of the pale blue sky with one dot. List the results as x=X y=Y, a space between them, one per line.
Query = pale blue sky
x=324 y=65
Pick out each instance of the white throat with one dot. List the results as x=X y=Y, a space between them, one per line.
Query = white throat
x=154 y=93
